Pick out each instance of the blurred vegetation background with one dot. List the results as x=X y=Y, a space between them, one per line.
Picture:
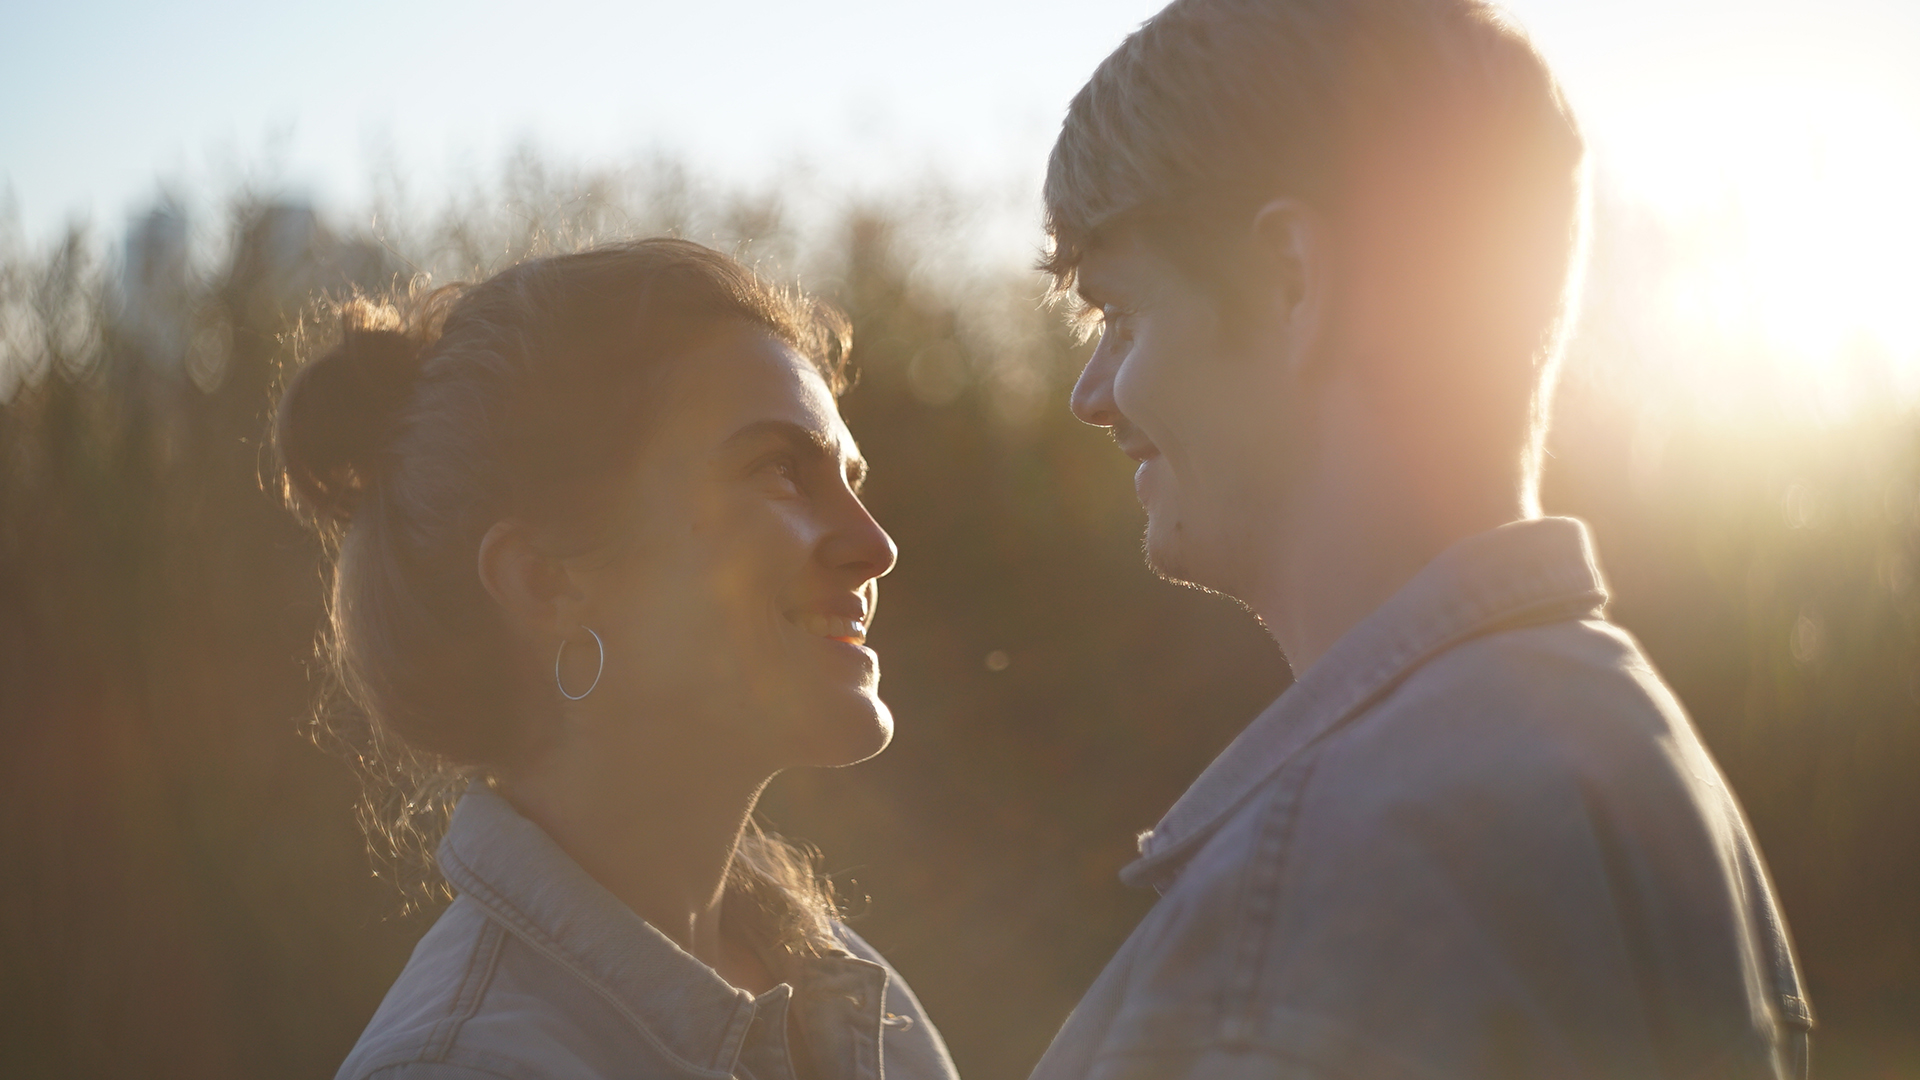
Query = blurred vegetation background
x=185 y=892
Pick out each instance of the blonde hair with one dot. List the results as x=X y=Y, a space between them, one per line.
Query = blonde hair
x=1214 y=107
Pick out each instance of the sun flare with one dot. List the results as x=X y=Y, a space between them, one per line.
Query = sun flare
x=1786 y=226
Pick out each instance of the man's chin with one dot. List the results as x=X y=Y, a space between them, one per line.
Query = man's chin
x=1168 y=559
x=1177 y=564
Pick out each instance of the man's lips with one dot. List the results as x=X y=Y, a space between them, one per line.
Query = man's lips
x=1139 y=448
x=1133 y=444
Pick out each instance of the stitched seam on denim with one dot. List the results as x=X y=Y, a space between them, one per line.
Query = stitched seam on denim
x=1783 y=974
x=876 y=1071
x=1261 y=900
x=523 y=927
x=481 y=960
x=737 y=1028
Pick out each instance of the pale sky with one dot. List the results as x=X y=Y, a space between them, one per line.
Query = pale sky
x=1791 y=128
x=98 y=98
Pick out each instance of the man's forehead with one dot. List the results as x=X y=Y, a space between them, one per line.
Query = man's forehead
x=1117 y=262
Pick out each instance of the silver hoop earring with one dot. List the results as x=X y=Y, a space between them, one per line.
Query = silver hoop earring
x=562 y=687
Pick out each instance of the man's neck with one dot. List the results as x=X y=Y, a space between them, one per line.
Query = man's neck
x=1367 y=518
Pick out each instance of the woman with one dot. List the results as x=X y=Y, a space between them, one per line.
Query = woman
x=600 y=553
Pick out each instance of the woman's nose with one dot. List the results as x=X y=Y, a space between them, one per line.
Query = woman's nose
x=859 y=543
x=1092 y=399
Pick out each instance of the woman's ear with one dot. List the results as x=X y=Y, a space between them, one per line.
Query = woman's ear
x=535 y=591
x=1292 y=256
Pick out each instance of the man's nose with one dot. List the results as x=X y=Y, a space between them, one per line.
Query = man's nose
x=1092 y=398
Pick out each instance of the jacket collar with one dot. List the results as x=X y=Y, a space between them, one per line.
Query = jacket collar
x=1526 y=572
x=511 y=868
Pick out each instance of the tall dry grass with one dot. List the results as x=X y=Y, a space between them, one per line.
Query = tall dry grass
x=185 y=892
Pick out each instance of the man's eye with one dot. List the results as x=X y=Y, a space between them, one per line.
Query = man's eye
x=1116 y=324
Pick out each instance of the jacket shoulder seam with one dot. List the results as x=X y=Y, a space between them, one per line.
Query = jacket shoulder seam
x=482 y=962
x=1260 y=893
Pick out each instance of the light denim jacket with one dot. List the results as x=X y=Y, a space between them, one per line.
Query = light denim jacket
x=537 y=972
x=1479 y=838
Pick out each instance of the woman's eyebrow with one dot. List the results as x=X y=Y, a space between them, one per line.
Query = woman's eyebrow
x=805 y=441
x=795 y=435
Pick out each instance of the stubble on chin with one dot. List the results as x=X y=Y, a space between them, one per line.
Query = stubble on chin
x=1170 y=555
x=1164 y=557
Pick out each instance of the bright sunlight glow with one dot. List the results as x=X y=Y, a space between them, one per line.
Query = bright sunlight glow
x=1756 y=161
x=1785 y=223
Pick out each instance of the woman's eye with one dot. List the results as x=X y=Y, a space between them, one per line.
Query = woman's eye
x=785 y=470
x=1116 y=325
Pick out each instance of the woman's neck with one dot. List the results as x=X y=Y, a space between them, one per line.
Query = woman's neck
x=662 y=843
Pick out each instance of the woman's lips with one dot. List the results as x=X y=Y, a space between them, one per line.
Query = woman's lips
x=833 y=627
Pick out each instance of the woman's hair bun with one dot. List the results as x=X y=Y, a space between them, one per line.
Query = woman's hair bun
x=338 y=413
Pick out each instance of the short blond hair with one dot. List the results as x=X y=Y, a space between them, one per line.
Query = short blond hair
x=1213 y=107
x=1213 y=99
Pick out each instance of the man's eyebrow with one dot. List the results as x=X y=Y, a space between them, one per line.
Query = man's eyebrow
x=1103 y=291
x=1087 y=312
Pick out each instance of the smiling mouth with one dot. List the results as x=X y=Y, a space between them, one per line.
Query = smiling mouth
x=833 y=627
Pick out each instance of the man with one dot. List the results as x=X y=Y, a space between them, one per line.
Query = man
x=1328 y=244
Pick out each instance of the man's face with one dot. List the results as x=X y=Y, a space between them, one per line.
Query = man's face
x=1205 y=402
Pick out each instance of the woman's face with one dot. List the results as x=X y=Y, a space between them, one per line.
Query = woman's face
x=734 y=609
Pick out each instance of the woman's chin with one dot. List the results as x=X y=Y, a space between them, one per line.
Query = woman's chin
x=860 y=731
